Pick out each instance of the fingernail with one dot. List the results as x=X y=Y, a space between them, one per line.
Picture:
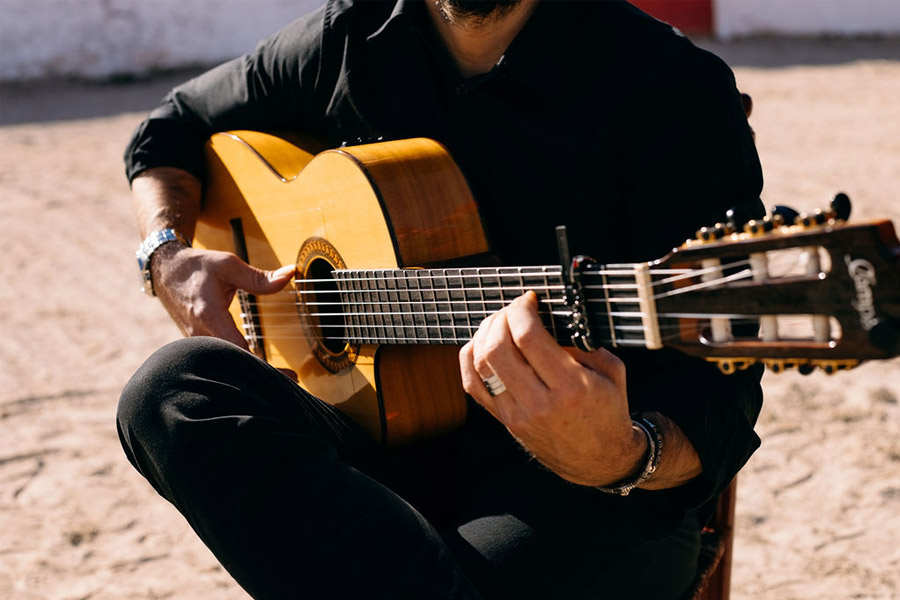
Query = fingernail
x=285 y=270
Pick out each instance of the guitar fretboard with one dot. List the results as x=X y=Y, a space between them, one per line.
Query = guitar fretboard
x=446 y=306
x=442 y=306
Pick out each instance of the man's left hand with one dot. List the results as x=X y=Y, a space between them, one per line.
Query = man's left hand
x=567 y=407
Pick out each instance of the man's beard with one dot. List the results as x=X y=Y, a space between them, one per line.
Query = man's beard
x=475 y=10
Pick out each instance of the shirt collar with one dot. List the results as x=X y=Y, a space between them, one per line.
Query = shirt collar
x=406 y=13
x=532 y=59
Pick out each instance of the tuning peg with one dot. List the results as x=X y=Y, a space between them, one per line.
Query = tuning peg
x=711 y=234
x=806 y=368
x=759 y=226
x=833 y=366
x=785 y=214
x=776 y=365
x=780 y=365
x=735 y=219
x=817 y=217
x=840 y=206
x=731 y=365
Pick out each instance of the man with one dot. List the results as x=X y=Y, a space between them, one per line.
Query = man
x=590 y=115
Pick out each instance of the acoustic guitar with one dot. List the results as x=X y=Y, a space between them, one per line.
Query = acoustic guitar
x=374 y=318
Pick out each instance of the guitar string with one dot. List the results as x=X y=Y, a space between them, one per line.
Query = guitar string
x=561 y=315
x=412 y=275
x=737 y=319
x=517 y=272
x=671 y=332
x=745 y=274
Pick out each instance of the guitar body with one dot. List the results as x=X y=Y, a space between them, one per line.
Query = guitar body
x=378 y=206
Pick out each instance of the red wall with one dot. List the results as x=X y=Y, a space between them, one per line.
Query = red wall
x=690 y=16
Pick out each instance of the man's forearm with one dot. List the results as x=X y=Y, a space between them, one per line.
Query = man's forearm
x=166 y=197
x=679 y=462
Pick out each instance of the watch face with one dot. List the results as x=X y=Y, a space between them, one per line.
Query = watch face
x=146 y=282
x=146 y=250
x=143 y=262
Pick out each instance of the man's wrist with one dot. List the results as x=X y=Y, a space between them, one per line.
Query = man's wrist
x=649 y=461
x=153 y=245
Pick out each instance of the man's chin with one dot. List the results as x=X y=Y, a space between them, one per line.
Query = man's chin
x=478 y=10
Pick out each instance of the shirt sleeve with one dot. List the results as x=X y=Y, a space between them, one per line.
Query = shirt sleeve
x=268 y=89
x=687 y=157
x=716 y=412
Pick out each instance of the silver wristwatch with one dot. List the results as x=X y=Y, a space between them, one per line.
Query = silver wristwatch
x=146 y=250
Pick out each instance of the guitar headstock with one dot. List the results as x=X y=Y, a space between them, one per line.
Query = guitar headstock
x=817 y=292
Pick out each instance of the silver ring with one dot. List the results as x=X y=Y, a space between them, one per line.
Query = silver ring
x=494 y=385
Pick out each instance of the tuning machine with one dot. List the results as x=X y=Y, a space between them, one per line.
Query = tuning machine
x=833 y=366
x=711 y=234
x=838 y=210
x=780 y=365
x=762 y=226
x=779 y=217
x=805 y=367
x=732 y=364
x=735 y=220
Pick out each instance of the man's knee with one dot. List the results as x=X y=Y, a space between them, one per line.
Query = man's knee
x=148 y=399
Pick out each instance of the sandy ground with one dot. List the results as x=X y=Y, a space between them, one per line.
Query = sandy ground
x=819 y=504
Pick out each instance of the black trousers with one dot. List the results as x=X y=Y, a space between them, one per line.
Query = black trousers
x=296 y=502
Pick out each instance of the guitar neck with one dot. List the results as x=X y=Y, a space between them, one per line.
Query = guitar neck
x=446 y=306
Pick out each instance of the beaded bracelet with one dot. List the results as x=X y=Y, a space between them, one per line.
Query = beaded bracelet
x=654 y=437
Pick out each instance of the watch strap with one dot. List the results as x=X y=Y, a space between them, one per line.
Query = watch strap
x=145 y=252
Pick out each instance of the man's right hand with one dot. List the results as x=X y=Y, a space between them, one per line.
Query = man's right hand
x=197 y=286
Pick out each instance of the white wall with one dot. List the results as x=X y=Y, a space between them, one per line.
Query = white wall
x=806 y=17
x=99 y=38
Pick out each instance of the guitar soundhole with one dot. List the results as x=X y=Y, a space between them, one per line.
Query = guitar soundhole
x=324 y=313
x=319 y=308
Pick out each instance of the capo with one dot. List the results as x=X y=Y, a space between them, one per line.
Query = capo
x=579 y=324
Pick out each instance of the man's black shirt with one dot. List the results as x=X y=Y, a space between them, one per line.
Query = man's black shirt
x=598 y=117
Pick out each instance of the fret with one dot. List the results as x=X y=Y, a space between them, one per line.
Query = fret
x=407 y=319
x=457 y=309
x=549 y=296
x=419 y=307
x=367 y=308
x=377 y=310
x=430 y=306
x=611 y=336
x=622 y=307
x=469 y=280
x=361 y=330
x=442 y=293
x=346 y=287
x=464 y=326
x=479 y=281
x=521 y=280
x=394 y=310
x=384 y=307
x=355 y=299
x=386 y=285
x=500 y=288
x=343 y=297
